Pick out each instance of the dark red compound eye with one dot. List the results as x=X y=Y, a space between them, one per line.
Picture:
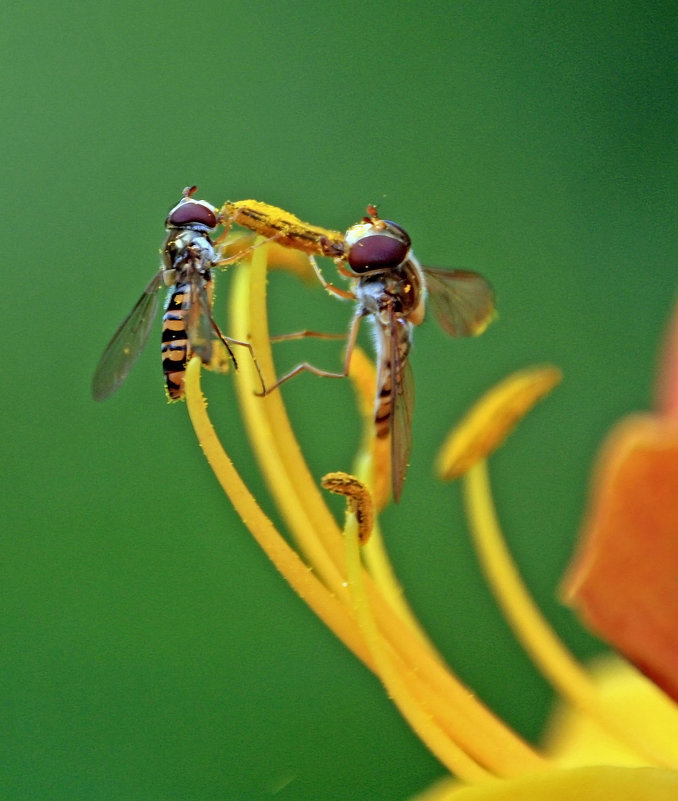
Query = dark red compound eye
x=399 y=231
x=192 y=212
x=377 y=252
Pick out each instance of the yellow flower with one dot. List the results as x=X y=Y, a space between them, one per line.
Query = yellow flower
x=353 y=590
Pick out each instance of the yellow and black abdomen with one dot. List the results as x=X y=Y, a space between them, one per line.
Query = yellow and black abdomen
x=175 y=344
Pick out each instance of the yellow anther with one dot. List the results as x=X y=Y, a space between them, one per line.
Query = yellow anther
x=492 y=418
x=358 y=500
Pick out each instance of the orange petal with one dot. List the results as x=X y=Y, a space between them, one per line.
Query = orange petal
x=624 y=579
x=666 y=388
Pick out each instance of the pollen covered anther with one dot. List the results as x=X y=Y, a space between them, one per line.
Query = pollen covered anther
x=492 y=418
x=358 y=500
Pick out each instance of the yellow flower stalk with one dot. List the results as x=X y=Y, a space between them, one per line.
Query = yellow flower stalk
x=343 y=573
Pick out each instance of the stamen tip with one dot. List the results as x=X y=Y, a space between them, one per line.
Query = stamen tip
x=487 y=424
x=358 y=500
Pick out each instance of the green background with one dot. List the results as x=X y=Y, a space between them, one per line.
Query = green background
x=149 y=650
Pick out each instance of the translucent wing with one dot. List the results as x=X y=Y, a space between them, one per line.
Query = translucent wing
x=402 y=384
x=127 y=343
x=203 y=332
x=462 y=301
x=199 y=323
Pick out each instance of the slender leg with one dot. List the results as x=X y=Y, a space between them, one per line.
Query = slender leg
x=311 y=368
x=224 y=340
x=335 y=290
x=228 y=341
x=255 y=361
x=305 y=333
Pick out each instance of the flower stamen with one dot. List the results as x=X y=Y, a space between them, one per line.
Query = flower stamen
x=465 y=721
x=463 y=454
x=422 y=718
x=358 y=500
x=293 y=569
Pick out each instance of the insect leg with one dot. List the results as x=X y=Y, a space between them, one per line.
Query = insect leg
x=311 y=368
x=305 y=333
x=335 y=290
x=225 y=340
x=255 y=361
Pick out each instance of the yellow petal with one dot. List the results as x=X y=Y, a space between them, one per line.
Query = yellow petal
x=599 y=783
x=492 y=419
x=574 y=739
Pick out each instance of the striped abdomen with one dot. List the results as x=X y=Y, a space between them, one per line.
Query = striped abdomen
x=393 y=351
x=175 y=344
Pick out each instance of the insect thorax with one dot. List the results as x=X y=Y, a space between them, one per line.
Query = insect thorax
x=400 y=289
x=187 y=251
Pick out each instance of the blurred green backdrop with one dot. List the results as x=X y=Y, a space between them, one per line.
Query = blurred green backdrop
x=149 y=650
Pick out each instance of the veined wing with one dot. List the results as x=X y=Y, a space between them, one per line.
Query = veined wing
x=127 y=343
x=402 y=388
x=198 y=315
x=204 y=334
x=462 y=301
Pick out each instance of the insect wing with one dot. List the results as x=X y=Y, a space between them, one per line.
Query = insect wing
x=199 y=323
x=127 y=343
x=206 y=338
x=403 y=404
x=462 y=301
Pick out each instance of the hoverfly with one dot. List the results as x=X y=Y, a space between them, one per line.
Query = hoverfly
x=188 y=327
x=391 y=287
